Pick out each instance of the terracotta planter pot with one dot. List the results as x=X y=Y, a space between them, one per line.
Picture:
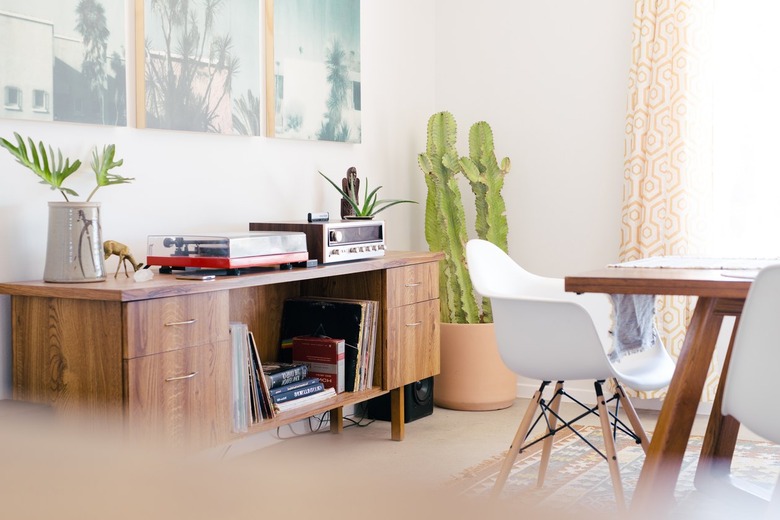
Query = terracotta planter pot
x=472 y=377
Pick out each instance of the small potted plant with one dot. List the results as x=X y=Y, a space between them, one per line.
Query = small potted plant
x=350 y=193
x=73 y=226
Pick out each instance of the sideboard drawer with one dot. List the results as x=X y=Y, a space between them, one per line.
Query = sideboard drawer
x=412 y=284
x=181 y=396
x=413 y=330
x=165 y=324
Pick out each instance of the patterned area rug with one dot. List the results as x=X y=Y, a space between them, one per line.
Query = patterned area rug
x=578 y=482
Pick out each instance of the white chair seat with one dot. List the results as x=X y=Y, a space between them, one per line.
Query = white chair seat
x=645 y=371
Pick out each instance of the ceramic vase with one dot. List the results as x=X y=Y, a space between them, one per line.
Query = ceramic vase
x=74 y=249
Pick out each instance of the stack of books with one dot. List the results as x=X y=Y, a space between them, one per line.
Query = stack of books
x=291 y=386
x=261 y=390
x=353 y=320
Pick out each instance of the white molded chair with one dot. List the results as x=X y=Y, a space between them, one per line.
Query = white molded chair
x=752 y=371
x=545 y=333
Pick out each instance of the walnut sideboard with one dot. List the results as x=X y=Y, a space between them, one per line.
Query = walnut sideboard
x=156 y=355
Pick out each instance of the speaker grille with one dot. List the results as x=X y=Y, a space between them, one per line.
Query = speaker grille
x=422 y=391
x=418 y=402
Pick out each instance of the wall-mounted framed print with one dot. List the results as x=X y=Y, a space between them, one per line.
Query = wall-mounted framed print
x=313 y=88
x=198 y=65
x=64 y=60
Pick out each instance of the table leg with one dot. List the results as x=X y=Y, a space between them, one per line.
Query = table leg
x=657 y=480
x=721 y=437
x=397 y=414
x=337 y=420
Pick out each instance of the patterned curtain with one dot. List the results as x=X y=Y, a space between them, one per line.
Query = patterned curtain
x=667 y=186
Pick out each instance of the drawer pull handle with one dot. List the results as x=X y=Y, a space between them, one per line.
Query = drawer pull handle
x=186 y=322
x=415 y=324
x=188 y=376
x=415 y=284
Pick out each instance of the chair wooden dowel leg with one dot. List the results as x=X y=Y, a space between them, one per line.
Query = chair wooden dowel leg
x=555 y=406
x=609 y=445
x=633 y=418
x=517 y=442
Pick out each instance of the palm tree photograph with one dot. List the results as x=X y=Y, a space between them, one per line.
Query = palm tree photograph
x=64 y=60
x=202 y=66
x=316 y=86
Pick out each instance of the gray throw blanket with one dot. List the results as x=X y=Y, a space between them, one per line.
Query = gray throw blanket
x=633 y=328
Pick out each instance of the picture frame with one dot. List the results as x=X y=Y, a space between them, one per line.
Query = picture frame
x=198 y=66
x=313 y=87
x=64 y=60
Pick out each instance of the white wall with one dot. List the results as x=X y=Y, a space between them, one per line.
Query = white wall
x=192 y=183
x=549 y=76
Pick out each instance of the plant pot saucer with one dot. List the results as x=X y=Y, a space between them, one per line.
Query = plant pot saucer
x=358 y=217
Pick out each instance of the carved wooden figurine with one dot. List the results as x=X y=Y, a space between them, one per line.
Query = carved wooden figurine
x=351 y=186
x=111 y=247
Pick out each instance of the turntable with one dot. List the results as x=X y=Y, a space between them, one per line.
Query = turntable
x=227 y=251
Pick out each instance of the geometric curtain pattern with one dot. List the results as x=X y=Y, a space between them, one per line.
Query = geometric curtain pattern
x=667 y=169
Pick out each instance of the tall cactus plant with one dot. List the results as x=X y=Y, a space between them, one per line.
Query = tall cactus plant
x=486 y=178
x=445 y=219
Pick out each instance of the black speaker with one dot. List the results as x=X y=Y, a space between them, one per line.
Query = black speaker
x=418 y=402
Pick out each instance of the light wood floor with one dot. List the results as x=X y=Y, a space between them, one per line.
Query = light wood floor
x=358 y=474
x=435 y=449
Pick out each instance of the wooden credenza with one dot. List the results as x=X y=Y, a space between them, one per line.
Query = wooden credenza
x=155 y=356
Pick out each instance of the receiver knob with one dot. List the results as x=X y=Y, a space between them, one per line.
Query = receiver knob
x=335 y=235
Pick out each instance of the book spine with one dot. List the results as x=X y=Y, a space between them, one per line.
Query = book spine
x=240 y=383
x=327 y=350
x=300 y=392
x=293 y=386
x=330 y=380
x=322 y=368
x=306 y=400
x=286 y=377
x=267 y=410
x=331 y=374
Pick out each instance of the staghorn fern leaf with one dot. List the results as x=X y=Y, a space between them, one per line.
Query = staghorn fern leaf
x=101 y=164
x=37 y=161
x=53 y=169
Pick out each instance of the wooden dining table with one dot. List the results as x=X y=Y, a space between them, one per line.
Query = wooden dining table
x=719 y=293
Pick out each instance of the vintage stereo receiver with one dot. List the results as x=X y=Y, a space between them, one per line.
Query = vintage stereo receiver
x=337 y=240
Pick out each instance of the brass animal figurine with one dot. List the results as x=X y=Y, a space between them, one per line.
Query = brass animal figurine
x=112 y=247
